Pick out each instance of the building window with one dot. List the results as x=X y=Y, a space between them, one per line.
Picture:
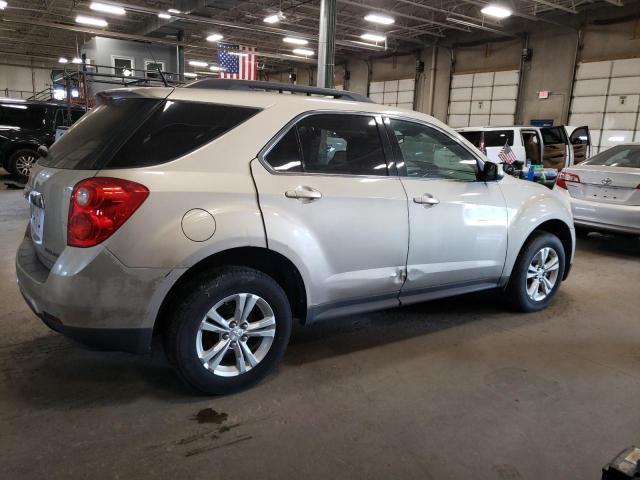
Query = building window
x=151 y=68
x=123 y=66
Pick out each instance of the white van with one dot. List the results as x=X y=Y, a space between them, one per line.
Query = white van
x=553 y=147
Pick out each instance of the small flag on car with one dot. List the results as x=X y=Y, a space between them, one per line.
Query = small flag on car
x=507 y=155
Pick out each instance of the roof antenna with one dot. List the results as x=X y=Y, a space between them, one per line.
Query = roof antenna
x=164 y=80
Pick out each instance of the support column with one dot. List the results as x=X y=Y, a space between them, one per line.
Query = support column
x=326 y=43
x=180 y=56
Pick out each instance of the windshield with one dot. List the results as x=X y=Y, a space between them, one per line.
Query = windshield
x=620 y=156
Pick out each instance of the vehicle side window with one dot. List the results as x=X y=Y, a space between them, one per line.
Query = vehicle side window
x=342 y=144
x=429 y=153
x=285 y=155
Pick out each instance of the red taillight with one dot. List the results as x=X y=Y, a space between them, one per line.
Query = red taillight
x=99 y=206
x=564 y=177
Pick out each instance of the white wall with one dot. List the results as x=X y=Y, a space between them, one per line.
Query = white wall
x=23 y=81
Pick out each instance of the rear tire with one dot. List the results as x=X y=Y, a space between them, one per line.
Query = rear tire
x=20 y=163
x=537 y=274
x=229 y=331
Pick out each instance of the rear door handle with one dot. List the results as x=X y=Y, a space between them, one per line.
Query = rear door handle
x=427 y=200
x=304 y=194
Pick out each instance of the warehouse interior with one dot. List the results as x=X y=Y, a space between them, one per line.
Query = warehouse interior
x=452 y=388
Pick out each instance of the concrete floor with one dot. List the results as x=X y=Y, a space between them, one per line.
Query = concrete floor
x=453 y=389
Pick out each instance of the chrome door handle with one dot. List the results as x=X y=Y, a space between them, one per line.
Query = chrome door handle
x=427 y=200
x=304 y=194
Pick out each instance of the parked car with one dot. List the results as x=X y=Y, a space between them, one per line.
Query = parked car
x=552 y=147
x=24 y=126
x=214 y=214
x=604 y=191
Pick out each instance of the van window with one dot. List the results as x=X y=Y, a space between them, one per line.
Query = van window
x=498 y=138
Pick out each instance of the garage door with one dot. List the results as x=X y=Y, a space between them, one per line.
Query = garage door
x=395 y=93
x=606 y=98
x=480 y=99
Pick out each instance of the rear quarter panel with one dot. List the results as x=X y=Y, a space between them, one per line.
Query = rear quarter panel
x=529 y=205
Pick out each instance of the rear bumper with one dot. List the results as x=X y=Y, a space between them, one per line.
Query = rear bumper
x=91 y=297
x=606 y=216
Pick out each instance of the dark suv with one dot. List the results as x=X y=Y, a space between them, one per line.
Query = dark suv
x=24 y=126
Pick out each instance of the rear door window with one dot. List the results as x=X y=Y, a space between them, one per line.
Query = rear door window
x=22 y=116
x=498 y=138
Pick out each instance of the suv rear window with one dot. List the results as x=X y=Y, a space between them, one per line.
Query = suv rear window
x=137 y=132
x=492 y=138
x=19 y=115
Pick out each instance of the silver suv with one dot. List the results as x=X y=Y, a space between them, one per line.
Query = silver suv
x=213 y=215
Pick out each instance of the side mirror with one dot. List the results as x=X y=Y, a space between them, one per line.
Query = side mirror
x=43 y=151
x=491 y=172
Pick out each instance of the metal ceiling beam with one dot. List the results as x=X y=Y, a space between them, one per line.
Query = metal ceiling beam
x=404 y=15
x=154 y=23
x=556 y=6
x=447 y=12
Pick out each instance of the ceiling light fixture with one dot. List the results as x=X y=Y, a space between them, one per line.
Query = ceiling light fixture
x=173 y=10
x=164 y=16
x=381 y=19
x=479 y=27
x=103 y=7
x=3 y=4
x=372 y=37
x=214 y=37
x=275 y=17
x=496 y=11
x=295 y=41
x=215 y=68
x=93 y=21
x=198 y=63
x=76 y=60
x=303 y=51
x=63 y=60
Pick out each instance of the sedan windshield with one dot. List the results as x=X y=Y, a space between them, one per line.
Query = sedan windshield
x=619 y=156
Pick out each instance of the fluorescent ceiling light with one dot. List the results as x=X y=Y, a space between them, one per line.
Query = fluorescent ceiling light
x=173 y=10
x=214 y=37
x=103 y=7
x=198 y=63
x=3 y=4
x=275 y=18
x=96 y=22
x=381 y=19
x=295 y=41
x=63 y=60
x=303 y=51
x=190 y=75
x=215 y=68
x=372 y=37
x=164 y=16
x=496 y=11
x=76 y=60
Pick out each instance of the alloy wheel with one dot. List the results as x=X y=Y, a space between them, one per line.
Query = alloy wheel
x=542 y=274
x=24 y=163
x=236 y=334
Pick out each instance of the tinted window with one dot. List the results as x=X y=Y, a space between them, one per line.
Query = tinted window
x=474 y=137
x=285 y=155
x=429 y=153
x=176 y=129
x=22 y=116
x=345 y=144
x=135 y=132
x=552 y=136
x=621 y=156
x=96 y=136
x=498 y=138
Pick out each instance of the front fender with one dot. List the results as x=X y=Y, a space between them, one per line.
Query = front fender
x=529 y=206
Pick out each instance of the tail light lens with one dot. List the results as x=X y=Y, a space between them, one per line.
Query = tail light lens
x=99 y=206
x=564 y=177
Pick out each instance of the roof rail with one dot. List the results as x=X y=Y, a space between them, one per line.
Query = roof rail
x=252 y=85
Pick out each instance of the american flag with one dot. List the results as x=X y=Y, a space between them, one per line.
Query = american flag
x=237 y=62
x=507 y=155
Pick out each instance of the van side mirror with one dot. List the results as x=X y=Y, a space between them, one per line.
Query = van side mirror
x=491 y=172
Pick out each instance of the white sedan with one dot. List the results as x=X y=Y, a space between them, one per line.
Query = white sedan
x=604 y=191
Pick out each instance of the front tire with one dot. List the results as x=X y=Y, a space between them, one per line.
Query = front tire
x=229 y=331
x=537 y=274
